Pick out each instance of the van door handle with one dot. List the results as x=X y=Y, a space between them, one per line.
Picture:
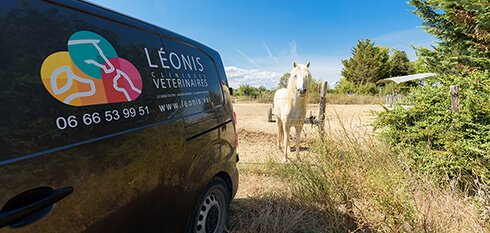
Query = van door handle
x=31 y=205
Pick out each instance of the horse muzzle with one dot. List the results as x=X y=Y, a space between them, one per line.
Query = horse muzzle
x=302 y=93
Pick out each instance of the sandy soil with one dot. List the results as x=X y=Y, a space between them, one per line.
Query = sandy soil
x=257 y=136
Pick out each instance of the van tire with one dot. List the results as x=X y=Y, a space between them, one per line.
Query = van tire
x=211 y=213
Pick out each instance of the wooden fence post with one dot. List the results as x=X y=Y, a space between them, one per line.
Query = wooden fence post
x=389 y=100
x=323 y=106
x=454 y=98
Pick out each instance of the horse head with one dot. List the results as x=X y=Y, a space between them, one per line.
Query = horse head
x=300 y=79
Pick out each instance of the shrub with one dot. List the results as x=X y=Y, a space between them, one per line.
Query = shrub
x=247 y=90
x=346 y=87
x=438 y=140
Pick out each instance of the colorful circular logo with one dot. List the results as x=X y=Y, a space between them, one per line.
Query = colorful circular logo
x=90 y=73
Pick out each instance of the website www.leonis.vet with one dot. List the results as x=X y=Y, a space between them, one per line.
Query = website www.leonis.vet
x=184 y=104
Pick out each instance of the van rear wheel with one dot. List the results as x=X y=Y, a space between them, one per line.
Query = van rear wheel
x=211 y=214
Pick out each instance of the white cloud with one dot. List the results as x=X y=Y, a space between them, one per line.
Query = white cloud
x=322 y=68
x=266 y=70
x=254 y=77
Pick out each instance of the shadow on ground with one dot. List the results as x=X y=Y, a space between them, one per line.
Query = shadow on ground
x=301 y=148
x=279 y=214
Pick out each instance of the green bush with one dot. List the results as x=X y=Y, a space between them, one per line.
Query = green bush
x=454 y=145
x=346 y=87
x=247 y=90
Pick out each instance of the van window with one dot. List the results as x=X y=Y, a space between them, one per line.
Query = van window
x=185 y=68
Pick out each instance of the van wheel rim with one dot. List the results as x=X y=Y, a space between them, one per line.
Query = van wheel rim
x=210 y=214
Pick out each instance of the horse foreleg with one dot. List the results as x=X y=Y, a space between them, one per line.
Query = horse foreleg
x=280 y=133
x=286 y=141
x=298 y=136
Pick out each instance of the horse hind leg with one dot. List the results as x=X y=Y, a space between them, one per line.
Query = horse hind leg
x=286 y=142
x=298 y=137
x=280 y=133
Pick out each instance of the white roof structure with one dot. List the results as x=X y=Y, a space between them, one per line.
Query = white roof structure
x=406 y=78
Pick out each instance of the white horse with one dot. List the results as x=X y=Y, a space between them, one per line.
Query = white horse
x=290 y=105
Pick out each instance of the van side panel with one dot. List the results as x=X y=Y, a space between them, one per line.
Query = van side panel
x=137 y=119
x=128 y=173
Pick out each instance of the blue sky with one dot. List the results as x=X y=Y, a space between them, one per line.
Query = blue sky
x=259 y=40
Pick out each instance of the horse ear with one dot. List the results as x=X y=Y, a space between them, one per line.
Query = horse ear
x=294 y=64
x=308 y=65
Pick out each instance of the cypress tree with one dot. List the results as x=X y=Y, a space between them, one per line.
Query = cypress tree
x=463 y=30
x=400 y=64
x=368 y=64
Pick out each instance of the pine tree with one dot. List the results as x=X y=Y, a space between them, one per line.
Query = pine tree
x=368 y=64
x=400 y=64
x=283 y=81
x=463 y=28
x=419 y=66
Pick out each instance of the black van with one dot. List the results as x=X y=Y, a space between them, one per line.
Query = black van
x=110 y=124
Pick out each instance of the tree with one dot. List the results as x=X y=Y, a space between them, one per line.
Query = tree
x=283 y=81
x=419 y=66
x=400 y=64
x=247 y=90
x=344 y=87
x=463 y=28
x=368 y=64
x=263 y=89
x=315 y=90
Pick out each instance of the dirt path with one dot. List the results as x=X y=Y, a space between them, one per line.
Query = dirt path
x=258 y=137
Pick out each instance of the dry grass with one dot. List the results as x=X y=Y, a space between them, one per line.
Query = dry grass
x=445 y=210
x=331 y=99
x=351 y=171
x=349 y=182
x=354 y=99
x=265 y=204
x=249 y=99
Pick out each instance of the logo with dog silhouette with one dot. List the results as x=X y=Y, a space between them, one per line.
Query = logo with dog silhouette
x=90 y=73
